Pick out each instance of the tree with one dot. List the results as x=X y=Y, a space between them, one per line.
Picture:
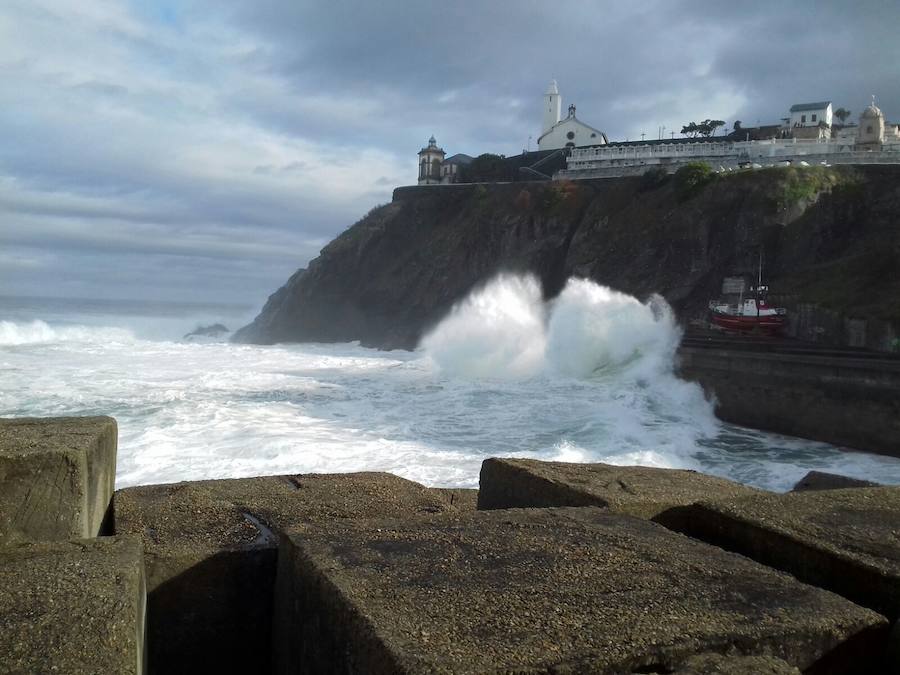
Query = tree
x=691 y=130
x=708 y=127
x=486 y=168
x=842 y=114
x=737 y=125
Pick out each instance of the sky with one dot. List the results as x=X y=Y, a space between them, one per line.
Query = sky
x=203 y=150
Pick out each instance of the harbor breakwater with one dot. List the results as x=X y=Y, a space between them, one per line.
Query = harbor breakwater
x=850 y=398
x=546 y=568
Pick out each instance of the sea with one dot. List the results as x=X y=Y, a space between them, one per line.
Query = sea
x=587 y=377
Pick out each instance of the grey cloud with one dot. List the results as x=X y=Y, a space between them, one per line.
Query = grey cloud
x=229 y=140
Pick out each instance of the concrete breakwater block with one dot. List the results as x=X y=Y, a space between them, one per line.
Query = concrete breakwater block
x=56 y=477
x=636 y=490
x=847 y=541
x=72 y=607
x=211 y=549
x=571 y=590
x=820 y=480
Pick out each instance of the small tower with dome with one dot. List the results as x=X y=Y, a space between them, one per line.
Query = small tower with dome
x=871 y=127
x=431 y=158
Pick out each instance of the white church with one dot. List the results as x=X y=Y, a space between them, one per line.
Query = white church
x=556 y=133
x=570 y=132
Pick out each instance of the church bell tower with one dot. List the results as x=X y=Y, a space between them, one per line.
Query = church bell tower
x=552 y=107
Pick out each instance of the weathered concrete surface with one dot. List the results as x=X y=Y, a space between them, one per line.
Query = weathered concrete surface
x=851 y=402
x=635 y=490
x=72 y=607
x=847 y=541
x=820 y=480
x=718 y=664
x=211 y=549
x=573 y=590
x=56 y=477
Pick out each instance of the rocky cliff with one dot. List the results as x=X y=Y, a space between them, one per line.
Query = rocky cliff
x=830 y=239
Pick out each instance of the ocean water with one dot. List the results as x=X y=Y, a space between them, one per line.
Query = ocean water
x=586 y=378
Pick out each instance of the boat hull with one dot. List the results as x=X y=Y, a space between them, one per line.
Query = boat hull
x=768 y=324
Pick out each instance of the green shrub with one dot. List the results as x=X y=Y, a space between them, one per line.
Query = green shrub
x=691 y=178
x=803 y=183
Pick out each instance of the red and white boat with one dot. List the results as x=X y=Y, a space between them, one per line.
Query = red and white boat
x=749 y=315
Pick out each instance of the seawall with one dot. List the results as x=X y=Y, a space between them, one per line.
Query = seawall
x=848 y=398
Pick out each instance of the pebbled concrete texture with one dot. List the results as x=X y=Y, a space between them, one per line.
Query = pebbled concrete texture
x=846 y=540
x=571 y=590
x=56 y=477
x=636 y=490
x=211 y=549
x=719 y=664
x=73 y=607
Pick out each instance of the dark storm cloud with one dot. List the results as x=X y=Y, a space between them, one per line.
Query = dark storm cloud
x=227 y=141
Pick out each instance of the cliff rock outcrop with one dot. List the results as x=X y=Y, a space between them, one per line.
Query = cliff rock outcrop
x=829 y=237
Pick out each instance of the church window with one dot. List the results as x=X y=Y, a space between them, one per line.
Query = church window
x=570 y=135
x=869 y=129
x=802 y=119
x=813 y=118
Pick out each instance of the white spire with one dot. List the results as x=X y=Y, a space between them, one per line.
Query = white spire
x=552 y=107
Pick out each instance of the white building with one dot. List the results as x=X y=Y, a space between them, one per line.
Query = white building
x=871 y=142
x=564 y=133
x=811 y=114
x=450 y=166
x=435 y=169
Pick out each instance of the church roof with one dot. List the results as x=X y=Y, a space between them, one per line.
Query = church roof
x=459 y=158
x=572 y=118
x=801 y=107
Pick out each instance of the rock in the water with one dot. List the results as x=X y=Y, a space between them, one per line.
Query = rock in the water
x=212 y=331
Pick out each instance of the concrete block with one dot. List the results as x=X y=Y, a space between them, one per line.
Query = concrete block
x=572 y=590
x=819 y=480
x=72 y=607
x=57 y=477
x=844 y=540
x=211 y=549
x=636 y=490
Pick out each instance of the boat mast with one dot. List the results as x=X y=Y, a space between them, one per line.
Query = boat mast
x=759 y=282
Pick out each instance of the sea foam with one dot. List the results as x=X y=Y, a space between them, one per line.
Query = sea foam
x=586 y=377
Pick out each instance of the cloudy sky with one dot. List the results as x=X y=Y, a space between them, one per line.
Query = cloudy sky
x=205 y=149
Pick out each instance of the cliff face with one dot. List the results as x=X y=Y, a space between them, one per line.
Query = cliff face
x=830 y=240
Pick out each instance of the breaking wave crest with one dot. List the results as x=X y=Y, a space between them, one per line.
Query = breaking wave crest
x=39 y=332
x=506 y=330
